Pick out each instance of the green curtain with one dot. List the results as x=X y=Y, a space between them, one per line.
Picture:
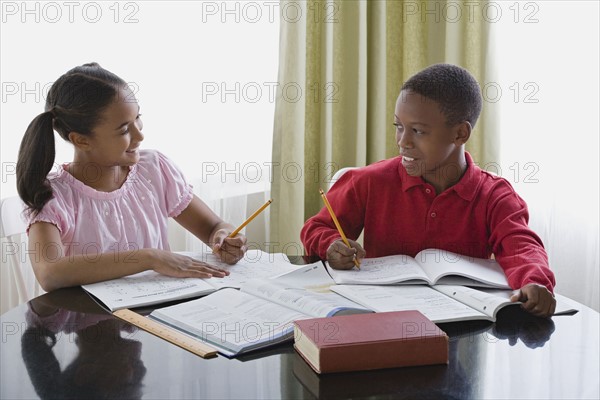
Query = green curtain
x=342 y=64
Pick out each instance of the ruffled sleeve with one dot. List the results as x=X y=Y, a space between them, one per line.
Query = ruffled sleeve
x=54 y=212
x=178 y=193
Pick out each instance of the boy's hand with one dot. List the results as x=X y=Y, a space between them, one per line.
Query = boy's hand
x=230 y=250
x=341 y=256
x=536 y=299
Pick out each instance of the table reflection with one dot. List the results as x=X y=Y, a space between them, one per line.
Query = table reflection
x=514 y=323
x=63 y=345
x=107 y=363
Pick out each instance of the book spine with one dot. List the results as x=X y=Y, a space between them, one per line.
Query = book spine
x=378 y=355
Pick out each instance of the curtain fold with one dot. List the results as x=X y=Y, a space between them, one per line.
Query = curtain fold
x=348 y=60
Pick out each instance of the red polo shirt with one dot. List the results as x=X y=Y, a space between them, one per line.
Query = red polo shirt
x=479 y=216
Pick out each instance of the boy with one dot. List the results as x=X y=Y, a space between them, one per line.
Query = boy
x=433 y=196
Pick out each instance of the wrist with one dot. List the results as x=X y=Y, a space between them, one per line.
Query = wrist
x=327 y=245
x=221 y=229
x=145 y=258
x=549 y=288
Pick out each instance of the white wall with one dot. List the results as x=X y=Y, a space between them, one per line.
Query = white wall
x=203 y=71
x=547 y=63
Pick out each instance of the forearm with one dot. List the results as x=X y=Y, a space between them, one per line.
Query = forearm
x=85 y=269
x=517 y=248
x=319 y=232
x=317 y=235
x=525 y=261
x=201 y=221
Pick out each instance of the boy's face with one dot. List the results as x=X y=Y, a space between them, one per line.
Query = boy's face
x=429 y=147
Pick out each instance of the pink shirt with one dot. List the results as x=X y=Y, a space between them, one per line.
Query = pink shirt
x=132 y=217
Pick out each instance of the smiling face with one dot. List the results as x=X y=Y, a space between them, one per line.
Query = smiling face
x=429 y=147
x=116 y=139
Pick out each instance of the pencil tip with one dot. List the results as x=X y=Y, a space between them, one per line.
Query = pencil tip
x=321 y=191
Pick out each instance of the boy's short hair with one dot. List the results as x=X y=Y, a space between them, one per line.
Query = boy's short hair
x=454 y=89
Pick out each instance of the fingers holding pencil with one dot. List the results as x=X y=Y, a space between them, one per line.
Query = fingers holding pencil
x=229 y=249
x=340 y=256
x=338 y=226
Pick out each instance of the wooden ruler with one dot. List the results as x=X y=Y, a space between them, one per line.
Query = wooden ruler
x=164 y=332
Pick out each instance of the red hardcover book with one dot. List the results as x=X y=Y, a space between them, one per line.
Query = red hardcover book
x=370 y=341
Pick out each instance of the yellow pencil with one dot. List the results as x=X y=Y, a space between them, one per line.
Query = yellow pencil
x=337 y=224
x=250 y=218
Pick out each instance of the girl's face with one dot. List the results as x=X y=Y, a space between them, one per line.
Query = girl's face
x=116 y=139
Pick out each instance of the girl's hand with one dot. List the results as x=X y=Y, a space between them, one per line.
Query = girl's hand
x=340 y=256
x=230 y=250
x=180 y=266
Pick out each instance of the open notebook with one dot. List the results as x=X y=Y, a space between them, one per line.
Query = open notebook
x=149 y=287
x=430 y=266
x=439 y=303
x=261 y=313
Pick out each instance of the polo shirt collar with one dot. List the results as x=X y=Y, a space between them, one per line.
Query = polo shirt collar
x=468 y=184
x=465 y=188
x=407 y=180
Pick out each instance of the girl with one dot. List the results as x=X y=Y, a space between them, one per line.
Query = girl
x=104 y=215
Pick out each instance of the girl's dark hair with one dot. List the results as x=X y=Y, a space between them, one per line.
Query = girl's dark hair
x=454 y=89
x=74 y=103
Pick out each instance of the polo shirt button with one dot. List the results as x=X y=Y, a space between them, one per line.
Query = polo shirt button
x=427 y=190
x=433 y=215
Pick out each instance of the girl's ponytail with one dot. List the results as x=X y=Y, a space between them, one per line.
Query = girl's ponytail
x=36 y=157
x=74 y=103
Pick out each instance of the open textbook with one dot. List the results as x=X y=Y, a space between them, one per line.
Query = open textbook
x=439 y=303
x=149 y=287
x=430 y=266
x=261 y=313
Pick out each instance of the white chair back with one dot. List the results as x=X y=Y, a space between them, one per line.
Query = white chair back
x=11 y=213
x=18 y=283
x=338 y=175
